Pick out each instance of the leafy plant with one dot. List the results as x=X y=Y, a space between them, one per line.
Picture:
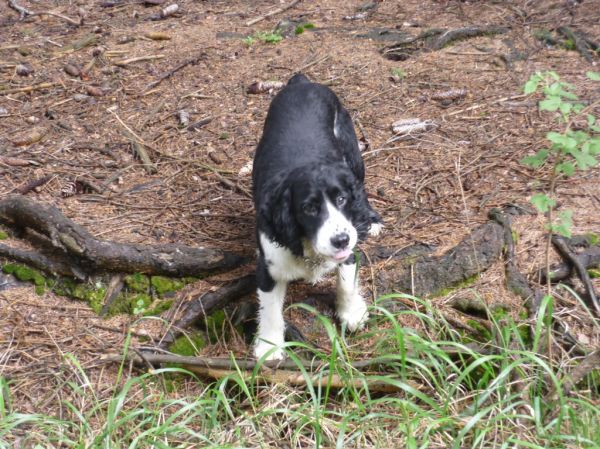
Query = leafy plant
x=398 y=73
x=267 y=37
x=303 y=27
x=569 y=150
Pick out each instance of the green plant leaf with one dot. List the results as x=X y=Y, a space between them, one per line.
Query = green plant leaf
x=584 y=160
x=565 y=108
x=542 y=202
x=593 y=146
x=537 y=160
x=566 y=167
x=564 y=142
x=594 y=76
x=532 y=84
x=550 y=104
x=591 y=119
x=554 y=89
x=568 y=95
x=563 y=224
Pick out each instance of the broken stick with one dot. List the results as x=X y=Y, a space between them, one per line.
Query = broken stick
x=272 y=13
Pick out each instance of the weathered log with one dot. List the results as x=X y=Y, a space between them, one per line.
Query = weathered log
x=94 y=255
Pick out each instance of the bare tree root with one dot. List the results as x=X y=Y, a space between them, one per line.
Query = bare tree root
x=515 y=280
x=200 y=307
x=93 y=255
x=560 y=272
x=573 y=259
x=435 y=39
x=430 y=275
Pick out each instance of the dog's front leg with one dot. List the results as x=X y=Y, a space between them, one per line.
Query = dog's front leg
x=351 y=306
x=271 y=326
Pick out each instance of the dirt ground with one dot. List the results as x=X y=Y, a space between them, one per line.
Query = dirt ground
x=432 y=187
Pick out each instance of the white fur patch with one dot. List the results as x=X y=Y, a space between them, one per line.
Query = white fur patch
x=284 y=266
x=336 y=128
x=375 y=229
x=351 y=306
x=246 y=170
x=335 y=224
x=271 y=326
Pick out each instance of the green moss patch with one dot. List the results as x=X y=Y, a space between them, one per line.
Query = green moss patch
x=137 y=282
x=188 y=345
x=141 y=295
x=162 y=285
x=3 y=235
x=462 y=284
x=25 y=274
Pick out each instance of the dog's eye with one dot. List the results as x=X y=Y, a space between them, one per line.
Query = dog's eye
x=340 y=200
x=310 y=209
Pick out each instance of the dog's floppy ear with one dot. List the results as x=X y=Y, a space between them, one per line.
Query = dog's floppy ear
x=276 y=216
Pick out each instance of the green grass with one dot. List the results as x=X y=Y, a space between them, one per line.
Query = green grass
x=447 y=396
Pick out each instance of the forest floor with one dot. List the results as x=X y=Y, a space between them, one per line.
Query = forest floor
x=70 y=115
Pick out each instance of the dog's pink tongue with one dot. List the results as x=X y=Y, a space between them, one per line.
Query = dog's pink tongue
x=343 y=254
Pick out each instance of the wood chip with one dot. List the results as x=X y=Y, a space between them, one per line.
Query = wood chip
x=16 y=162
x=72 y=70
x=260 y=87
x=29 y=137
x=412 y=125
x=94 y=91
x=157 y=36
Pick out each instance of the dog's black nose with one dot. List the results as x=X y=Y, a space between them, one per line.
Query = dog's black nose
x=340 y=241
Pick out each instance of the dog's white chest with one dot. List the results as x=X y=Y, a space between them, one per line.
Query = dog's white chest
x=285 y=266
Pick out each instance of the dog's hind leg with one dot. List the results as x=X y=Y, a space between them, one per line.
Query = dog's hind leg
x=271 y=326
x=350 y=305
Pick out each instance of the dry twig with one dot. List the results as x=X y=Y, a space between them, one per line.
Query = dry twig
x=272 y=13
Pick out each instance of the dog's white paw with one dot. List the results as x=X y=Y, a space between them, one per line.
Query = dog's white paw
x=375 y=229
x=353 y=313
x=262 y=347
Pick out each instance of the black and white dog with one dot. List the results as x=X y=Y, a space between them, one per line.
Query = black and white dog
x=311 y=205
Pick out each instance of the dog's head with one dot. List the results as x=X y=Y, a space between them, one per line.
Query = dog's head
x=321 y=208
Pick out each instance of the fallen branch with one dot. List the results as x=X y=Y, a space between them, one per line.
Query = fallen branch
x=23 y=12
x=33 y=184
x=60 y=16
x=272 y=13
x=287 y=364
x=176 y=69
x=141 y=152
x=91 y=254
x=126 y=62
x=27 y=88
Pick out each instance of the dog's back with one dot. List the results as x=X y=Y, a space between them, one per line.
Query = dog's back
x=305 y=123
